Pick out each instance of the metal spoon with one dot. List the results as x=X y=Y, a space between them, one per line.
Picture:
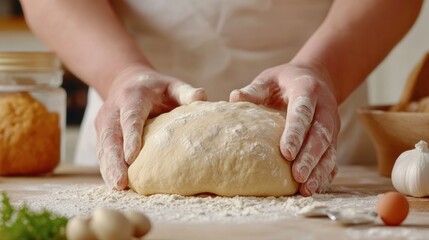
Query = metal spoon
x=346 y=217
x=350 y=216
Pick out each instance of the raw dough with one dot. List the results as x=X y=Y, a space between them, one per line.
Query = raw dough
x=223 y=148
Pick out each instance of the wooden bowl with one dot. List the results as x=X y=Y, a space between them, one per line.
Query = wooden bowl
x=393 y=133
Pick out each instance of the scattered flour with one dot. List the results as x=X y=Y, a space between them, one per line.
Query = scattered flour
x=391 y=233
x=73 y=200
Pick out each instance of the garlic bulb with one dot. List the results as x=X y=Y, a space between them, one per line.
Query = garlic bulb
x=410 y=174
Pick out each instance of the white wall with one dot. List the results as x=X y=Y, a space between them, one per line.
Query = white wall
x=387 y=81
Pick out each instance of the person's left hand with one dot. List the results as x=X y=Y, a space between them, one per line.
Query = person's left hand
x=312 y=120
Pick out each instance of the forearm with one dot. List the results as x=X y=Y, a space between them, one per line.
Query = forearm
x=355 y=37
x=87 y=36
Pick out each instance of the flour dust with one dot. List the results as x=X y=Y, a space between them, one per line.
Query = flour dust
x=71 y=200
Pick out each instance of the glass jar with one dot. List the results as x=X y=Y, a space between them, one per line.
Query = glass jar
x=32 y=113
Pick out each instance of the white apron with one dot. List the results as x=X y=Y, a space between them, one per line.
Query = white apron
x=221 y=45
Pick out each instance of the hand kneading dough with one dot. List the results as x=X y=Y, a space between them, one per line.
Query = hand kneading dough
x=223 y=148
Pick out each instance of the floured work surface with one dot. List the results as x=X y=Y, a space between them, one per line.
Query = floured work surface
x=72 y=191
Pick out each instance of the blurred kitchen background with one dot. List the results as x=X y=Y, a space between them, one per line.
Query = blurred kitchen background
x=15 y=36
x=385 y=84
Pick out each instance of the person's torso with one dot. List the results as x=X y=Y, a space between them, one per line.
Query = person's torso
x=221 y=45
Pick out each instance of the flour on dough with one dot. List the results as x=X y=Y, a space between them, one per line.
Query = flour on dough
x=223 y=148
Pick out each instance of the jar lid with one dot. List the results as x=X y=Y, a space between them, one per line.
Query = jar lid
x=28 y=61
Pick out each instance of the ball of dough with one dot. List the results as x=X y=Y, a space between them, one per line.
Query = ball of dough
x=29 y=136
x=222 y=148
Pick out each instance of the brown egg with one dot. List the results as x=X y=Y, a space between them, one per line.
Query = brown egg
x=392 y=208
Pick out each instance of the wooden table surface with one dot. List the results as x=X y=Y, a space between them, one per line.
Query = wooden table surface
x=356 y=178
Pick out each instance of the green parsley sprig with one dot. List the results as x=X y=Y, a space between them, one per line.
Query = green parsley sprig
x=26 y=224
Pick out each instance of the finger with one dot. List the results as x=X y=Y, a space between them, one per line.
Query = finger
x=256 y=92
x=260 y=91
x=298 y=120
x=133 y=117
x=318 y=140
x=324 y=187
x=184 y=93
x=320 y=174
x=333 y=174
x=109 y=150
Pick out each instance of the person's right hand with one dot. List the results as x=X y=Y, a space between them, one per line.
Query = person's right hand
x=135 y=94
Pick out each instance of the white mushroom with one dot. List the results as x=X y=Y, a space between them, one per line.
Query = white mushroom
x=78 y=229
x=109 y=224
x=140 y=222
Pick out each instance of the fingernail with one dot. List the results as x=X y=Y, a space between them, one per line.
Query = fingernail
x=304 y=172
x=199 y=95
x=312 y=186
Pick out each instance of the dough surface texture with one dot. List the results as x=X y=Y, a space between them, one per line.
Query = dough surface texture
x=223 y=148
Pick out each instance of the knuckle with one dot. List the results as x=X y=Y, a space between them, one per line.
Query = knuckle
x=292 y=140
x=305 y=162
x=112 y=154
x=295 y=134
x=132 y=137
x=105 y=134
x=321 y=169
x=329 y=162
x=319 y=173
x=331 y=153
x=131 y=117
x=323 y=132
x=303 y=109
x=309 y=160
x=106 y=115
x=147 y=77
